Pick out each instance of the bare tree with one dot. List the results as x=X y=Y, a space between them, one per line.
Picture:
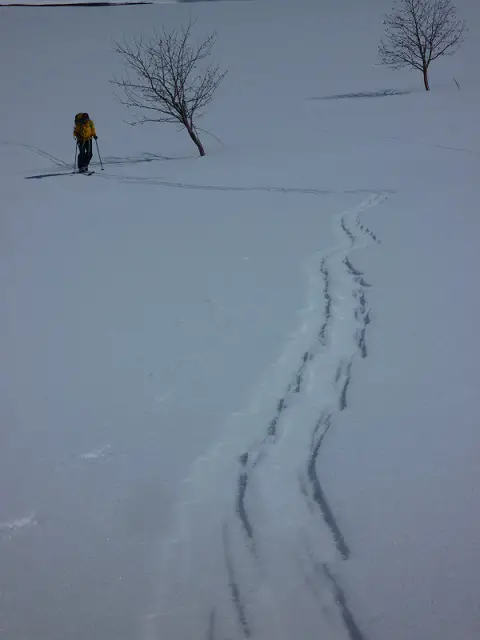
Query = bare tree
x=420 y=31
x=169 y=78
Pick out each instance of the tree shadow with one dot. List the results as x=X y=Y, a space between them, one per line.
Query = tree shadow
x=143 y=158
x=384 y=93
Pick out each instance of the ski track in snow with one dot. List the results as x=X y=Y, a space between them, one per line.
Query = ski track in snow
x=281 y=537
x=255 y=539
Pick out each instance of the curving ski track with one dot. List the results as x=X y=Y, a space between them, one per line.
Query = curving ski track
x=264 y=502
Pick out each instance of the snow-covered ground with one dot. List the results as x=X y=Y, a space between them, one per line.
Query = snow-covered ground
x=239 y=393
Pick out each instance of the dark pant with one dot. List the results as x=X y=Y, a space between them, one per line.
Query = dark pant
x=84 y=154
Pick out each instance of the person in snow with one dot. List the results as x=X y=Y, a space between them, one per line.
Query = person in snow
x=84 y=131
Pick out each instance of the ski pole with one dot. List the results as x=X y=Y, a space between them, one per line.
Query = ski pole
x=99 y=156
x=75 y=161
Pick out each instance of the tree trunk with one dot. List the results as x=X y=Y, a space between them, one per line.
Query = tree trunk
x=193 y=135
x=425 y=77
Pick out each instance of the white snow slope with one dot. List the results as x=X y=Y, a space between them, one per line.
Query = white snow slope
x=240 y=393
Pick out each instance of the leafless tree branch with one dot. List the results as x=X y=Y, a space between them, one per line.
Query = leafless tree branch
x=169 y=78
x=420 y=31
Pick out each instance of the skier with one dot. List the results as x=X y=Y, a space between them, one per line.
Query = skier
x=84 y=131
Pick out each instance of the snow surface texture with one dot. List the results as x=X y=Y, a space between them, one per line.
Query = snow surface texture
x=239 y=393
